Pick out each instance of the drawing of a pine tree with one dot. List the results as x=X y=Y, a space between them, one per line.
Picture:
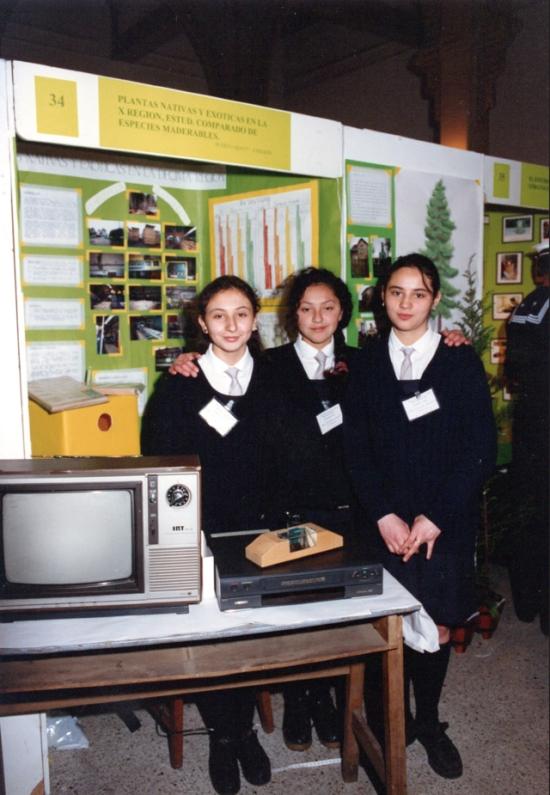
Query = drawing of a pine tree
x=438 y=231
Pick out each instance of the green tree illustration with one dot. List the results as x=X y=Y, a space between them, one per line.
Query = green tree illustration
x=438 y=230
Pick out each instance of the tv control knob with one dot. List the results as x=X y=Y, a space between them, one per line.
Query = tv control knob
x=178 y=495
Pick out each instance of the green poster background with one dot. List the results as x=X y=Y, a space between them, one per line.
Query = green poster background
x=140 y=353
x=362 y=273
x=501 y=295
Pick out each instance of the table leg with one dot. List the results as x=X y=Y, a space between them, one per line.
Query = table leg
x=354 y=701
x=394 y=708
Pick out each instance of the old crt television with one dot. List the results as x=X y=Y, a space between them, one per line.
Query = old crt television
x=81 y=536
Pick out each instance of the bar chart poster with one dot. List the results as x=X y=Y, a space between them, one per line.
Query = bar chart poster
x=266 y=235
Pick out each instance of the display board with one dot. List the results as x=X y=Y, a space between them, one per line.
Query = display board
x=510 y=235
x=113 y=254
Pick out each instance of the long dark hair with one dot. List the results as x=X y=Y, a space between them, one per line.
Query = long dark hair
x=293 y=292
x=219 y=285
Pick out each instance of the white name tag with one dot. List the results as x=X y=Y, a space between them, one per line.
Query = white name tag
x=330 y=418
x=421 y=404
x=218 y=417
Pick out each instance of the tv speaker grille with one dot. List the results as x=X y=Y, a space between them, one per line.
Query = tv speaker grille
x=173 y=569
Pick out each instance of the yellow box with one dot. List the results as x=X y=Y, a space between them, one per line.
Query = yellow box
x=108 y=429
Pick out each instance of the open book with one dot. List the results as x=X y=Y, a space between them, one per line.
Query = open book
x=63 y=392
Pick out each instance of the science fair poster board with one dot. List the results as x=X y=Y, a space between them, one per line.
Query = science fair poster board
x=114 y=253
x=425 y=198
x=515 y=220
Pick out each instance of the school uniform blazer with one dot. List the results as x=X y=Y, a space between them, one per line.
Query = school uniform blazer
x=235 y=467
x=434 y=465
x=311 y=465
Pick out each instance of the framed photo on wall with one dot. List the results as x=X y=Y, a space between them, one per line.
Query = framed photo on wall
x=509 y=267
x=544 y=226
x=516 y=228
x=504 y=304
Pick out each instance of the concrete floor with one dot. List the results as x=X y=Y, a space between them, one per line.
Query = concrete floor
x=495 y=699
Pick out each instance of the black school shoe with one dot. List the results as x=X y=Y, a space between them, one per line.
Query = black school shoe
x=443 y=755
x=223 y=766
x=325 y=718
x=297 y=722
x=254 y=761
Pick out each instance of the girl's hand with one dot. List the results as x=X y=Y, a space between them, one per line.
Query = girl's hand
x=454 y=338
x=395 y=532
x=423 y=531
x=185 y=365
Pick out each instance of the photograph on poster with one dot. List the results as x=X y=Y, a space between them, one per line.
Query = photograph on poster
x=174 y=326
x=143 y=235
x=509 y=267
x=177 y=297
x=142 y=204
x=165 y=356
x=145 y=298
x=544 y=229
x=105 y=233
x=381 y=255
x=365 y=297
x=107 y=334
x=180 y=237
x=106 y=265
x=504 y=304
x=359 y=257
x=106 y=296
x=144 y=266
x=517 y=228
x=183 y=268
x=498 y=350
x=366 y=327
x=146 y=327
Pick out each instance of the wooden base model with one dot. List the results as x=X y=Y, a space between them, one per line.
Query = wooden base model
x=291 y=543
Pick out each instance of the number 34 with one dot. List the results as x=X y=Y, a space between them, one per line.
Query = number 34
x=57 y=101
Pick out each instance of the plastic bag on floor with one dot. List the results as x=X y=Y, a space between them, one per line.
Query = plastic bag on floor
x=64 y=733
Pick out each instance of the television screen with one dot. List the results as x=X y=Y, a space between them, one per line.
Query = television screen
x=67 y=537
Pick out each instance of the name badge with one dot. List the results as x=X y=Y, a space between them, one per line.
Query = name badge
x=330 y=418
x=420 y=404
x=218 y=417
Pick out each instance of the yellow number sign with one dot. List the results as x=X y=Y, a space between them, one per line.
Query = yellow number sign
x=56 y=106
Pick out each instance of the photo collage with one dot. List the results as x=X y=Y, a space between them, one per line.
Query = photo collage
x=369 y=243
x=141 y=272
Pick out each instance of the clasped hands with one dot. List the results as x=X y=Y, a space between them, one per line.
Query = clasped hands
x=406 y=541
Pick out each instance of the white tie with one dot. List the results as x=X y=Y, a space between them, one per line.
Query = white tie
x=235 y=388
x=320 y=371
x=406 y=373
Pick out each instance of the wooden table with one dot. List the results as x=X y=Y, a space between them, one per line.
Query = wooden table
x=166 y=667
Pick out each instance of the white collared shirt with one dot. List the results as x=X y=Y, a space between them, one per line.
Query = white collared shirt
x=424 y=350
x=306 y=355
x=214 y=369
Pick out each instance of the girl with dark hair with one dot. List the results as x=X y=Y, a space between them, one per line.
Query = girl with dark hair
x=420 y=438
x=222 y=416
x=311 y=372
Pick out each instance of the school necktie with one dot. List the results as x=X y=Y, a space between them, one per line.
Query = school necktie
x=322 y=361
x=406 y=373
x=235 y=388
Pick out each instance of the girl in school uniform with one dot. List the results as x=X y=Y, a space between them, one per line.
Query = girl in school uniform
x=222 y=416
x=421 y=441
x=311 y=373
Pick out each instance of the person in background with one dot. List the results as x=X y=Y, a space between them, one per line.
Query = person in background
x=526 y=369
x=421 y=441
x=222 y=417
